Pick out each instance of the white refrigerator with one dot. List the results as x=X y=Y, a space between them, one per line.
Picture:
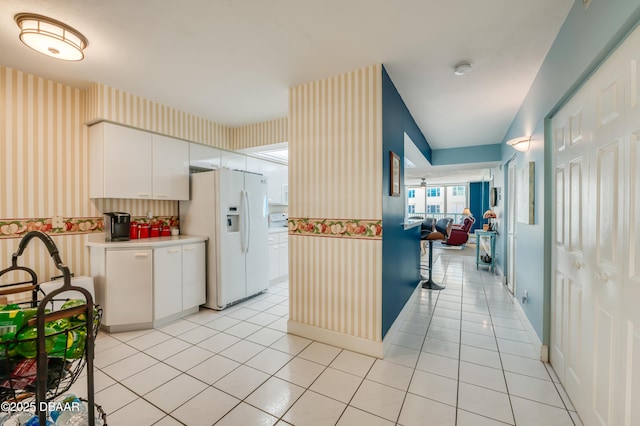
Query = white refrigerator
x=230 y=207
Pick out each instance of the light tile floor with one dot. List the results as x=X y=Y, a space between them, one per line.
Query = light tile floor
x=462 y=357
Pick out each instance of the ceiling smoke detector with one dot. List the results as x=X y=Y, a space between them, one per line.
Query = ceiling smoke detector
x=462 y=68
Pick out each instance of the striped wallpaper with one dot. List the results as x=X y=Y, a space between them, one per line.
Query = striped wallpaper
x=43 y=167
x=335 y=171
x=108 y=103
x=335 y=136
x=341 y=288
x=137 y=207
x=259 y=134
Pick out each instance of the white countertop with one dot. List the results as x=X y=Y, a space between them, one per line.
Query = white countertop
x=278 y=230
x=97 y=240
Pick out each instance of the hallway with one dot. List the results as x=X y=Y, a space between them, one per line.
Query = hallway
x=462 y=357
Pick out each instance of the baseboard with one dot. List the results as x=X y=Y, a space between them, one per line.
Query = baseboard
x=334 y=338
x=388 y=338
x=533 y=336
x=352 y=343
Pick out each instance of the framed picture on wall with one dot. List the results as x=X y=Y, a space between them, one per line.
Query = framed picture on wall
x=525 y=184
x=394 y=174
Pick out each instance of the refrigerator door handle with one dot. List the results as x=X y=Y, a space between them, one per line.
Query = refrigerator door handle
x=243 y=223
x=247 y=210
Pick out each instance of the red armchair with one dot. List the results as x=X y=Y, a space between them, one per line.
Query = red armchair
x=460 y=233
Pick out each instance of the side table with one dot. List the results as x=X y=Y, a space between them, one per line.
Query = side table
x=488 y=248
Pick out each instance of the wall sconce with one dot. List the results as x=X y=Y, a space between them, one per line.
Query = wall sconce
x=521 y=143
x=50 y=37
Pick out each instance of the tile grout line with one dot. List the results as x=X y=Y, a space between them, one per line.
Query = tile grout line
x=504 y=376
x=415 y=367
x=186 y=373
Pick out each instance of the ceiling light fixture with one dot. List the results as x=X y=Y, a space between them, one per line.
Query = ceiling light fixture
x=520 y=143
x=50 y=37
x=462 y=68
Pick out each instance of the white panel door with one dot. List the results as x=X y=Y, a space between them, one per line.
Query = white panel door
x=595 y=341
x=607 y=175
x=569 y=339
x=631 y=247
x=511 y=227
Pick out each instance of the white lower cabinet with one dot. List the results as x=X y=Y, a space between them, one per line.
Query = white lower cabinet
x=130 y=274
x=278 y=256
x=178 y=279
x=193 y=276
x=167 y=281
x=145 y=286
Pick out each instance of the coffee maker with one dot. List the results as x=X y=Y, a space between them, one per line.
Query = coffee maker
x=116 y=226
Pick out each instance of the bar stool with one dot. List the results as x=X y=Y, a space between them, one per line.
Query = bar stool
x=431 y=231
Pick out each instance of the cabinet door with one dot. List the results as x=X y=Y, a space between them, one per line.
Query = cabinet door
x=128 y=289
x=193 y=275
x=204 y=157
x=127 y=162
x=274 y=262
x=170 y=168
x=167 y=281
x=277 y=175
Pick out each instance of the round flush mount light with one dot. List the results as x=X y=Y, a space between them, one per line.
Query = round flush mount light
x=50 y=37
x=462 y=68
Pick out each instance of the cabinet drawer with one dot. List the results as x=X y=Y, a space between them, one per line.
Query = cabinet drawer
x=283 y=238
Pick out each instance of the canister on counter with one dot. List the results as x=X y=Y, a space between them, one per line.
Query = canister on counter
x=165 y=231
x=133 y=230
x=155 y=230
x=144 y=230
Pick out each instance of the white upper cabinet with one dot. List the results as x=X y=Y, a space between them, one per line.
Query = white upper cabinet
x=204 y=157
x=170 y=168
x=233 y=160
x=132 y=163
x=120 y=162
x=278 y=189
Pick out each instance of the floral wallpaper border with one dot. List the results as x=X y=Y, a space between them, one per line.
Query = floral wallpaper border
x=16 y=228
x=337 y=228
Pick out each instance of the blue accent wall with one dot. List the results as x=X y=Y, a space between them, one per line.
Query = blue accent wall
x=400 y=248
x=468 y=154
x=478 y=202
x=584 y=40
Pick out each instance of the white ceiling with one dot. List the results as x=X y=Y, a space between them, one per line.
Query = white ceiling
x=416 y=167
x=232 y=61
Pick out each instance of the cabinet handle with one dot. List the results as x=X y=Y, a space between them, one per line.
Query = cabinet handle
x=576 y=265
x=161 y=195
x=601 y=276
x=189 y=248
x=173 y=251
x=145 y=255
x=142 y=194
